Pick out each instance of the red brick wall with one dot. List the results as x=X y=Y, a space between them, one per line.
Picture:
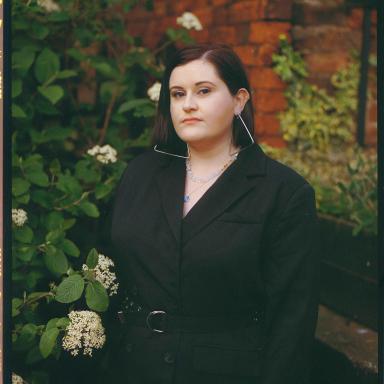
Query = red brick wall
x=323 y=30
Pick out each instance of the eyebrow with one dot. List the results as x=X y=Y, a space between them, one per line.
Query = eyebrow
x=198 y=83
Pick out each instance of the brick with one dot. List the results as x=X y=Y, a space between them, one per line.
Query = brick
x=374 y=17
x=269 y=101
x=220 y=16
x=325 y=38
x=203 y=36
x=326 y=63
x=268 y=32
x=372 y=111
x=264 y=54
x=355 y=18
x=160 y=8
x=371 y=134
x=219 y=2
x=136 y=29
x=180 y=6
x=267 y=124
x=247 y=54
x=253 y=55
x=225 y=34
x=244 y=11
x=279 y=9
x=273 y=141
x=265 y=78
x=205 y=16
x=318 y=14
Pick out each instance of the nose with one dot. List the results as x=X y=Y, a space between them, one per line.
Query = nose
x=189 y=103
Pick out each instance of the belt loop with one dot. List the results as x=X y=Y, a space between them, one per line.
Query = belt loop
x=121 y=317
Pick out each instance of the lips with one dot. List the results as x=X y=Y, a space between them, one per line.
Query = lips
x=191 y=120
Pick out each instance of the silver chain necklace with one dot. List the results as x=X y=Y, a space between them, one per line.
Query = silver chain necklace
x=203 y=180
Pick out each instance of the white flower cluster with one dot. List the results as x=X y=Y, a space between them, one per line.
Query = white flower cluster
x=19 y=217
x=189 y=21
x=154 y=91
x=48 y=5
x=105 y=154
x=84 y=331
x=16 y=379
x=104 y=275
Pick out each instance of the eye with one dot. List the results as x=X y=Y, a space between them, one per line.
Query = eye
x=177 y=94
x=204 y=90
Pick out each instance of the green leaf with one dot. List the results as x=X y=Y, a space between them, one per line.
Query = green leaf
x=17 y=112
x=70 y=289
x=37 y=176
x=63 y=322
x=26 y=338
x=23 y=199
x=86 y=171
x=55 y=260
x=66 y=73
x=51 y=323
x=17 y=87
x=48 y=341
x=69 y=223
x=52 y=92
x=55 y=167
x=102 y=190
x=16 y=302
x=92 y=258
x=23 y=59
x=131 y=104
x=55 y=236
x=69 y=184
x=39 y=31
x=96 y=296
x=42 y=197
x=47 y=65
x=25 y=253
x=89 y=209
x=53 y=220
x=23 y=234
x=19 y=186
x=76 y=54
x=70 y=248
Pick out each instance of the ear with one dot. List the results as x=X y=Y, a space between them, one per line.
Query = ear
x=241 y=97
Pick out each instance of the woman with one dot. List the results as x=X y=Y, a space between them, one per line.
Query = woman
x=215 y=241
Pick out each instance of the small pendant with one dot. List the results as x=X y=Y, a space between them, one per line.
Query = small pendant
x=186 y=198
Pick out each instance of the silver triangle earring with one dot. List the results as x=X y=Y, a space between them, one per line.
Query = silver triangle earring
x=246 y=128
x=173 y=154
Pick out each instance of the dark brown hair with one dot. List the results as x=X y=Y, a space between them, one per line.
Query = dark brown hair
x=230 y=70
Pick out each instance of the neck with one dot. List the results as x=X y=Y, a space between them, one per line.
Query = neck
x=205 y=159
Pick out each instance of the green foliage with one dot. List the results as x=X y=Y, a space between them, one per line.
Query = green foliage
x=319 y=129
x=314 y=118
x=58 y=55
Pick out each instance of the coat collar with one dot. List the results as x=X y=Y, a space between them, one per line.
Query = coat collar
x=239 y=178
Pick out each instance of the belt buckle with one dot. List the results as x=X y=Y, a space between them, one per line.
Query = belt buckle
x=152 y=313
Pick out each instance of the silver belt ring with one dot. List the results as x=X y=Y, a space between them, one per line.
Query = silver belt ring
x=152 y=313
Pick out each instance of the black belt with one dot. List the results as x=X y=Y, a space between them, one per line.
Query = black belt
x=160 y=321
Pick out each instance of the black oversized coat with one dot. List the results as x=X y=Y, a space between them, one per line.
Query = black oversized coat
x=249 y=243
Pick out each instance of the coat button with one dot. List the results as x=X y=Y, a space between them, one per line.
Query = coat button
x=169 y=357
x=129 y=347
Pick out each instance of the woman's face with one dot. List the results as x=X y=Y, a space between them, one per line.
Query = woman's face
x=197 y=92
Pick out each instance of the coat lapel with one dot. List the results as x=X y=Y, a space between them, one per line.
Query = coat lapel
x=235 y=182
x=171 y=182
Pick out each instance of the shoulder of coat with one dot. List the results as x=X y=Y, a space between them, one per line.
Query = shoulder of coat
x=284 y=175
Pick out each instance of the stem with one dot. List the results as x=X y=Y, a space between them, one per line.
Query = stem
x=103 y=130
x=35 y=299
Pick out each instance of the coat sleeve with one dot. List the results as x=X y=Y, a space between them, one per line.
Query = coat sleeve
x=291 y=280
